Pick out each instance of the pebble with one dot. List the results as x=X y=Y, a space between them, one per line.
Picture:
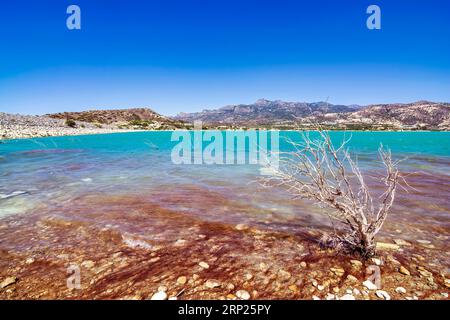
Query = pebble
x=231 y=296
x=392 y=259
x=242 y=294
x=338 y=271
x=424 y=241
x=383 y=295
x=315 y=298
x=29 y=261
x=356 y=292
x=155 y=259
x=162 y=288
x=444 y=294
x=88 y=264
x=424 y=272
x=369 y=285
x=401 y=242
x=347 y=297
x=248 y=276
x=211 y=283
x=404 y=271
x=204 y=265
x=400 y=290
x=336 y=289
x=230 y=286
x=320 y=287
x=447 y=283
x=195 y=276
x=293 y=288
x=160 y=295
x=182 y=280
x=330 y=296
x=352 y=278
x=241 y=227
x=418 y=257
x=377 y=261
x=303 y=264
x=263 y=267
x=7 y=282
x=387 y=246
x=180 y=242
x=173 y=298
x=284 y=275
x=356 y=263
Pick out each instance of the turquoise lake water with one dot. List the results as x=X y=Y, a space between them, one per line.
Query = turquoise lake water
x=52 y=174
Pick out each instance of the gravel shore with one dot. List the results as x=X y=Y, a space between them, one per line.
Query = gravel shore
x=15 y=126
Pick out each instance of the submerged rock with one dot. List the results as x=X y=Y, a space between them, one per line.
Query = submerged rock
x=241 y=227
x=404 y=271
x=356 y=264
x=182 y=280
x=12 y=194
x=7 y=282
x=400 y=290
x=338 y=271
x=284 y=275
x=352 y=278
x=263 y=267
x=88 y=264
x=447 y=283
x=424 y=272
x=387 y=246
x=401 y=242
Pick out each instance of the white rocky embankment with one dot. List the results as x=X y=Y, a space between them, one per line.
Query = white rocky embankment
x=14 y=126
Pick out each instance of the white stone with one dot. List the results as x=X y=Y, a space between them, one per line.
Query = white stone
x=369 y=285
x=160 y=295
x=242 y=294
x=400 y=290
x=383 y=294
x=347 y=297
x=211 y=284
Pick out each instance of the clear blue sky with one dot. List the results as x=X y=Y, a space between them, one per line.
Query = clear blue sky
x=192 y=54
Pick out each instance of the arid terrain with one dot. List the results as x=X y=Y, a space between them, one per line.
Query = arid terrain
x=14 y=126
x=420 y=115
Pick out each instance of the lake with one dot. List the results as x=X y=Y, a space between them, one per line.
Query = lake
x=78 y=197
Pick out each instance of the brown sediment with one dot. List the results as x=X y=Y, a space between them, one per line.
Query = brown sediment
x=128 y=247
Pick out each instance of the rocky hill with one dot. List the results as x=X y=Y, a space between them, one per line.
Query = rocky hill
x=417 y=114
x=292 y=115
x=264 y=112
x=122 y=117
x=88 y=122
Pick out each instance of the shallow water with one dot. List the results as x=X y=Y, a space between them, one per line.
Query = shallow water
x=114 y=182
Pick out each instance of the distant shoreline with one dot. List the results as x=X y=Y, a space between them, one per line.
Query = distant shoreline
x=119 y=131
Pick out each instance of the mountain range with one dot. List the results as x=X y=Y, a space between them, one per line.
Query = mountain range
x=292 y=115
